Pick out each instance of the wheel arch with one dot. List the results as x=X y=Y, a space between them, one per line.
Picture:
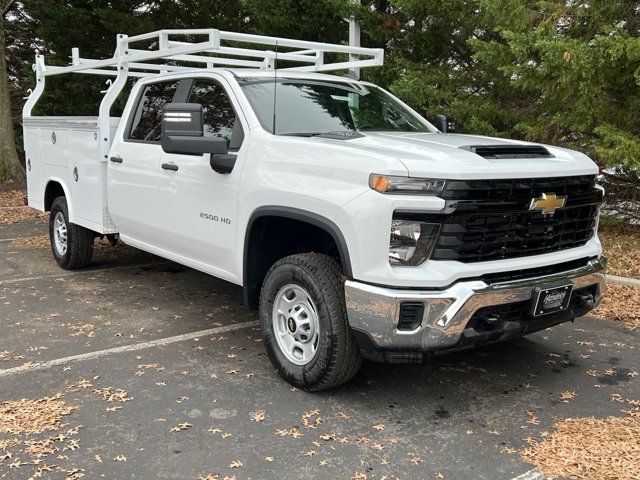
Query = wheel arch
x=54 y=188
x=251 y=289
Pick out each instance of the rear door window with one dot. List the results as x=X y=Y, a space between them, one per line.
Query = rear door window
x=146 y=123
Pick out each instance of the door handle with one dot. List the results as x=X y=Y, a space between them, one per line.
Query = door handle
x=170 y=166
x=116 y=159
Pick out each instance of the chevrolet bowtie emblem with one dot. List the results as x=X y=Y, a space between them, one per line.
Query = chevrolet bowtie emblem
x=547 y=204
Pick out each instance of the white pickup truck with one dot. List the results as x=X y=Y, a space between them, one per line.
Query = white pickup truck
x=357 y=228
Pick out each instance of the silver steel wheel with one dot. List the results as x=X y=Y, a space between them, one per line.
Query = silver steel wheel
x=296 y=324
x=60 y=234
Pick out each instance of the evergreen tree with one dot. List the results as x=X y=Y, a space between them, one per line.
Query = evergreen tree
x=555 y=71
x=577 y=64
x=565 y=73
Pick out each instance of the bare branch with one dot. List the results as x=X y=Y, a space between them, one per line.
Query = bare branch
x=7 y=7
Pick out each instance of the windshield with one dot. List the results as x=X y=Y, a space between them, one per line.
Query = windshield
x=307 y=107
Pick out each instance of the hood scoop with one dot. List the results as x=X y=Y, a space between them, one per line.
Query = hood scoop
x=509 y=151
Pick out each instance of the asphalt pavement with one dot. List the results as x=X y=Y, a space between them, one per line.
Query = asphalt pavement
x=169 y=378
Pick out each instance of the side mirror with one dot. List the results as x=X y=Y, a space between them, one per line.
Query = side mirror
x=223 y=162
x=182 y=131
x=445 y=124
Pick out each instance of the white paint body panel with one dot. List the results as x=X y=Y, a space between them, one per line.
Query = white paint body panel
x=159 y=210
x=76 y=146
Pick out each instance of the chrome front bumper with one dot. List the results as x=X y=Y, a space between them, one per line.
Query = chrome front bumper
x=373 y=311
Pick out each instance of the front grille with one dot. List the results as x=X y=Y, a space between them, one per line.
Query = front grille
x=519 y=192
x=496 y=236
x=490 y=219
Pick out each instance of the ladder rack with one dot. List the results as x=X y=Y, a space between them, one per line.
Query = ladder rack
x=206 y=47
x=216 y=48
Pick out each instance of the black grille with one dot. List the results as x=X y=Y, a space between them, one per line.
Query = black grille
x=489 y=236
x=519 y=192
x=547 y=270
x=490 y=219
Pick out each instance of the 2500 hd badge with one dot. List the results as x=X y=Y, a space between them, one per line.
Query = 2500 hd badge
x=215 y=218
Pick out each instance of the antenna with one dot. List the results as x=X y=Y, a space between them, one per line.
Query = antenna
x=275 y=87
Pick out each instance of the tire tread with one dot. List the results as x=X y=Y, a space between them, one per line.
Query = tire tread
x=80 y=239
x=345 y=359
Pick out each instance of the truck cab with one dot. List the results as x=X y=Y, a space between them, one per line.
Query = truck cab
x=356 y=228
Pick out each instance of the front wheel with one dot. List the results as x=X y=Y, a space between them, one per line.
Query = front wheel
x=304 y=322
x=71 y=244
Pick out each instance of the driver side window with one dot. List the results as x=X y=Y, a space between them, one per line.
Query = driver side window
x=218 y=116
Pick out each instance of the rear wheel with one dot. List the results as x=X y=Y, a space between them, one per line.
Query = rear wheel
x=304 y=322
x=71 y=244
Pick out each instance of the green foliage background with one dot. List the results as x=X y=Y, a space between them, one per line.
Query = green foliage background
x=565 y=72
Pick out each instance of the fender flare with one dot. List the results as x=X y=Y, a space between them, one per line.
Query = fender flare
x=301 y=215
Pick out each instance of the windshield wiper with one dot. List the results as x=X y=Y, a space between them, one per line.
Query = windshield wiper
x=302 y=134
x=336 y=135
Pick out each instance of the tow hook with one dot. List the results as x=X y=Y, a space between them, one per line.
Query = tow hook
x=586 y=300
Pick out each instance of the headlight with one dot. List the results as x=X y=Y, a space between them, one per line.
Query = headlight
x=406 y=185
x=602 y=191
x=411 y=242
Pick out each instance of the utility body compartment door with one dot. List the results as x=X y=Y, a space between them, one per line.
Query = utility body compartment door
x=197 y=206
x=66 y=151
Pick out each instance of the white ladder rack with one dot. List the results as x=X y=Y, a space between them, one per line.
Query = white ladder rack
x=215 y=48
x=218 y=48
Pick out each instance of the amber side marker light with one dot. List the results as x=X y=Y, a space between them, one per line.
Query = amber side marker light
x=379 y=183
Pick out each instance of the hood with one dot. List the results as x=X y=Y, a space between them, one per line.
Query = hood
x=450 y=156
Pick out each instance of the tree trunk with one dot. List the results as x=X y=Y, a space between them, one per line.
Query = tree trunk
x=10 y=167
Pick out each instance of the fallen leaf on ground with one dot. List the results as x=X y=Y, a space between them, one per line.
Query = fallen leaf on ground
x=590 y=449
x=621 y=246
x=180 y=427
x=566 y=396
x=620 y=303
x=33 y=416
x=258 y=416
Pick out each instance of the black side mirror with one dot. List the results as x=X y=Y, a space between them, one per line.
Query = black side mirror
x=445 y=124
x=223 y=162
x=182 y=131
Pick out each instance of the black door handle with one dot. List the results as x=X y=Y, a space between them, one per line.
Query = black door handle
x=116 y=159
x=170 y=166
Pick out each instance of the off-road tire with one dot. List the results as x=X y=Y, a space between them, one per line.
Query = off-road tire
x=79 y=239
x=337 y=358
